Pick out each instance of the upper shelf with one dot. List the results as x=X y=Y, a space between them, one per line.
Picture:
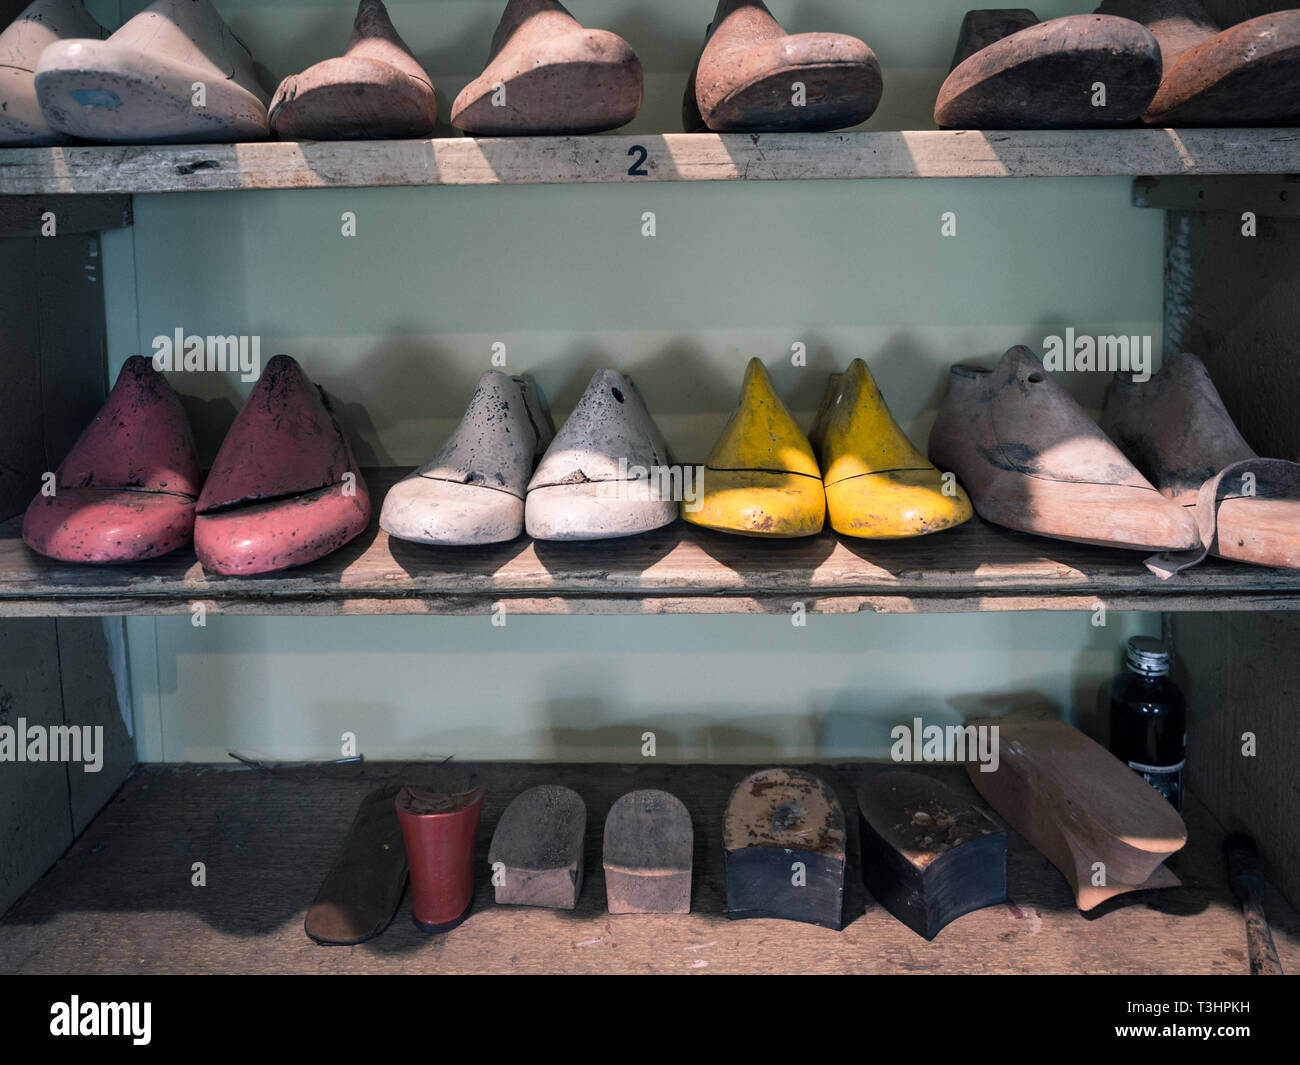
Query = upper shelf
x=649 y=157
x=680 y=569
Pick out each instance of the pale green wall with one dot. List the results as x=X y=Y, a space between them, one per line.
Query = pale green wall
x=742 y=688
x=398 y=322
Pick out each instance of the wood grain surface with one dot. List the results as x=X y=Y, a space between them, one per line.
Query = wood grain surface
x=538 y=848
x=647 y=852
x=1080 y=806
x=668 y=157
x=121 y=900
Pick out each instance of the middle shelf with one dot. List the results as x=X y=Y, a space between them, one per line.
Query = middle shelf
x=680 y=569
x=649 y=157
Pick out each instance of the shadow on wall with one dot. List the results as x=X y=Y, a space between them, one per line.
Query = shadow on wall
x=735 y=688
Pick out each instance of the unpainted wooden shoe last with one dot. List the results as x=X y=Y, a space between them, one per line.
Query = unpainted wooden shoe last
x=753 y=77
x=1011 y=71
x=1033 y=460
x=175 y=73
x=549 y=75
x=22 y=42
x=1245 y=75
x=375 y=90
x=1177 y=431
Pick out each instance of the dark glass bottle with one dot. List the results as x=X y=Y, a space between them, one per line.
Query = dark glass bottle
x=1148 y=719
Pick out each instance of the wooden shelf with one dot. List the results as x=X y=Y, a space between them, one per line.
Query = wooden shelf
x=676 y=570
x=121 y=901
x=667 y=157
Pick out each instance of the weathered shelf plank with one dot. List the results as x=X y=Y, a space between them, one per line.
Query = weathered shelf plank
x=120 y=901
x=667 y=157
x=680 y=569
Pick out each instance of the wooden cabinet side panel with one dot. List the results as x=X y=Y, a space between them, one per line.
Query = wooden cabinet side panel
x=1234 y=300
x=91 y=700
x=52 y=356
x=22 y=449
x=70 y=311
x=35 y=827
x=1242 y=676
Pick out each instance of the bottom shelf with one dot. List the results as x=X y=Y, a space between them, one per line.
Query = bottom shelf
x=121 y=900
